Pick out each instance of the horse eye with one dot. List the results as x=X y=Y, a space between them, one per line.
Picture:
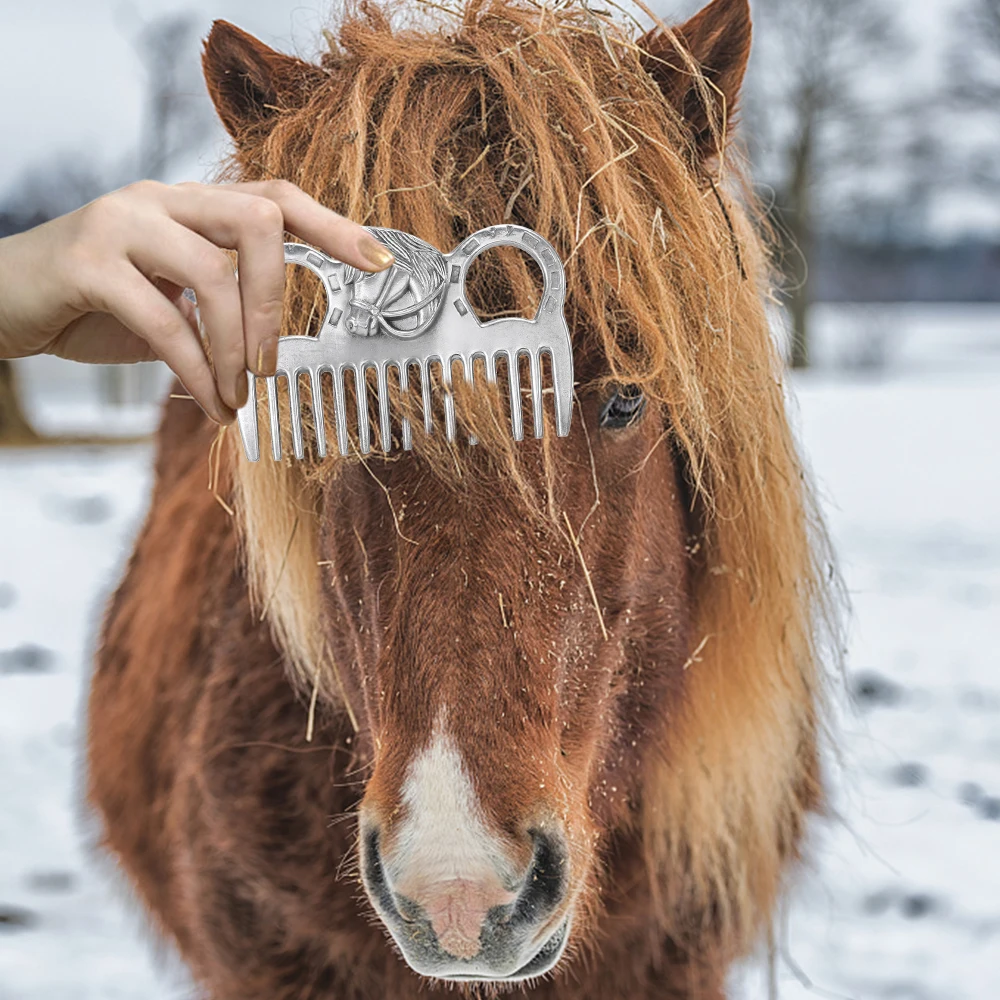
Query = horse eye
x=623 y=409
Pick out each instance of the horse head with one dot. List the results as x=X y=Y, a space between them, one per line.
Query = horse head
x=561 y=648
x=402 y=301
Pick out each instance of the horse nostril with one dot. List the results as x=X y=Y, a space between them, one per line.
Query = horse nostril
x=546 y=883
x=374 y=873
x=378 y=884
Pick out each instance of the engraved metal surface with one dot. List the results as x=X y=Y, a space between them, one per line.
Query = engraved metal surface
x=415 y=313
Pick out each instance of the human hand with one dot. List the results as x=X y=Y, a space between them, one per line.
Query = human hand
x=105 y=284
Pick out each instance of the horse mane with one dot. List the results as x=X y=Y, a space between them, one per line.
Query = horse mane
x=508 y=111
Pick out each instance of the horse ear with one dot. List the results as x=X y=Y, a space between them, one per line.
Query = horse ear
x=717 y=39
x=249 y=82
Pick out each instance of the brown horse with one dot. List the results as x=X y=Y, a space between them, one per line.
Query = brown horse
x=544 y=715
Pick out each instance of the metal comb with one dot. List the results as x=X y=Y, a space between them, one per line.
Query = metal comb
x=415 y=313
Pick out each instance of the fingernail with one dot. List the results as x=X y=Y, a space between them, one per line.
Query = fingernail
x=242 y=390
x=267 y=357
x=377 y=254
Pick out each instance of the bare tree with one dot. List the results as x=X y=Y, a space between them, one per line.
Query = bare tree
x=814 y=123
x=974 y=89
x=15 y=428
x=177 y=119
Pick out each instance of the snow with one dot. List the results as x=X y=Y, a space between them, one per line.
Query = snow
x=900 y=896
x=67 y=518
x=64 y=397
x=904 y=901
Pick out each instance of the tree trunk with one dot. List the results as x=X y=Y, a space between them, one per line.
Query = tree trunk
x=800 y=297
x=798 y=234
x=15 y=428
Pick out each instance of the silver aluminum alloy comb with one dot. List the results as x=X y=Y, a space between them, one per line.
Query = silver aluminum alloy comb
x=415 y=313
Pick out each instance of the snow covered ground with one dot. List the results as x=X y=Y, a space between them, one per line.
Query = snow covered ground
x=901 y=899
x=904 y=902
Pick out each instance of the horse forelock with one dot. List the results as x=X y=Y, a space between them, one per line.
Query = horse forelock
x=547 y=118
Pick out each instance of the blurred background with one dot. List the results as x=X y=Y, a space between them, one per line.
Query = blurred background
x=874 y=131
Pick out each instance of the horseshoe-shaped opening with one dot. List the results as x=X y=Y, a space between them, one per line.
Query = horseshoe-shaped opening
x=305 y=302
x=503 y=281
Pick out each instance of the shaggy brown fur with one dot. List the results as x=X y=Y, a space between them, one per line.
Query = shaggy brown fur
x=680 y=751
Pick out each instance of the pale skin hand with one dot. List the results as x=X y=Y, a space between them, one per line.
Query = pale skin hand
x=105 y=283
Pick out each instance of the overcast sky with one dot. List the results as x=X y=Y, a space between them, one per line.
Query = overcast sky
x=72 y=82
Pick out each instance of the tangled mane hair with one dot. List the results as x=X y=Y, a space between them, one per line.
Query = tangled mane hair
x=550 y=117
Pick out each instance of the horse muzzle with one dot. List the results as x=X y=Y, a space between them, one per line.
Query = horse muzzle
x=475 y=928
x=361 y=320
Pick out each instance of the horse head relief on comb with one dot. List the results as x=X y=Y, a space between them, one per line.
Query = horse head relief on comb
x=415 y=313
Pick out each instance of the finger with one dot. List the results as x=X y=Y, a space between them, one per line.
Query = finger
x=253 y=217
x=100 y=339
x=188 y=310
x=255 y=227
x=137 y=304
x=172 y=251
x=309 y=220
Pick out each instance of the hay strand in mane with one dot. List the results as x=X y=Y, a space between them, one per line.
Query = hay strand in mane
x=586 y=574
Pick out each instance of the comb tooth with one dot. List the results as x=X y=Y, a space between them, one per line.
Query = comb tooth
x=340 y=409
x=296 y=414
x=272 y=412
x=562 y=385
x=514 y=378
x=537 y=417
x=248 y=421
x=385 y=427
x=449 y=402
x=404 y=385
x=361 y=396
x=491 y=367
x=319 y=419
x=425 y=392
x=468 y=363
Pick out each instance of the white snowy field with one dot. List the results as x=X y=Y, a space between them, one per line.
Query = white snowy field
x=901 y=898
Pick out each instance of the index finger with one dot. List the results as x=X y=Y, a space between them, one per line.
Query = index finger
x=310 y=221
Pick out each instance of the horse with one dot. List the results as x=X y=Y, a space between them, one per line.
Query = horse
x=540 y=717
